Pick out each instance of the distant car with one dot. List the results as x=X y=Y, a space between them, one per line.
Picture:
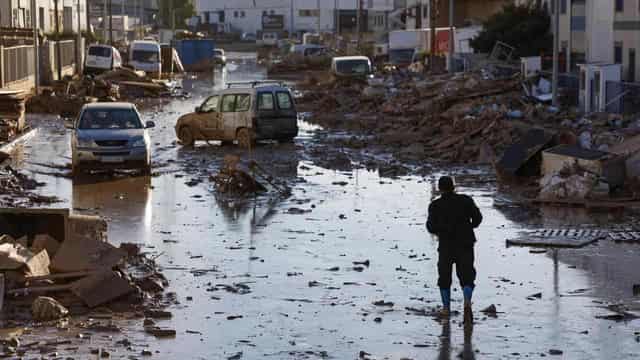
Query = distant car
x=248 y=37
x=257 y=111
x=309 y=50
x=110 y=136
x=219 y=58
x=101 y=58
x=145 y=55
x=270 y=38
x=351 y=66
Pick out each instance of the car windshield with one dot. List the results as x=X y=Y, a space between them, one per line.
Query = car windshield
x=146 y=56
x=109 y=119
x=218 y=52
x=100 y=51
x=353 y=67
x=401 y=56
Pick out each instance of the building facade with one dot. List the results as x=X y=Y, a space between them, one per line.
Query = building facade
x=466 y=12
x=296 y=16
x=17 y=14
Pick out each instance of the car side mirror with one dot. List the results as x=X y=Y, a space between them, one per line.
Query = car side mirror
x=150 y=125
x=197 y=109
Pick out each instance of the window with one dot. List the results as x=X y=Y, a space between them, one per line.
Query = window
x=235 y=14
x=308 y=13
x=632 y=66
x=370 y=4
x=145 y=56
x=228 y=103
x=100 y=51
x=617 y=53
x=242 y=14
x=210 y=105
x=272 y=12
x=563 y=6
x=619 y=5
x=284 y=100
x=97 y=119
x=207 y=18
x=264 y=13
x=265 y=101
x=243 y=102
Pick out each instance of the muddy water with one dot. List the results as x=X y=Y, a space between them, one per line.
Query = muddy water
x=295 y=306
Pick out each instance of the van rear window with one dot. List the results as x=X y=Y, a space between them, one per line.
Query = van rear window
x=265 y=101
x=100 y=51
x=284 y=100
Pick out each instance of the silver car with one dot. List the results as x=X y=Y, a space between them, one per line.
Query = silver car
x=110 y=136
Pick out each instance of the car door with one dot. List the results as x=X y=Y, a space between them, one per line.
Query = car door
x=212 y=118
x=228 y=113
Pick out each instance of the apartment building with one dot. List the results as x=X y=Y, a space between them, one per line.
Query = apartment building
x=466 y=12
x=17 y=14
x=254 y=16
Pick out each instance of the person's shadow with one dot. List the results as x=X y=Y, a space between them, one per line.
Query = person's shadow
x=445 y=343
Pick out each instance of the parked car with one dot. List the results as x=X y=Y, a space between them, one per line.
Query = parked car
x=351 y=66
x=250 y=112
x=101 y=58
x=110 y=136
x=248 y=37
x=269 y=38
x=309 y=50
x=219 y=57
x=145 y=55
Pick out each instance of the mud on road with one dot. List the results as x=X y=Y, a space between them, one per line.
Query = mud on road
x=297 y=276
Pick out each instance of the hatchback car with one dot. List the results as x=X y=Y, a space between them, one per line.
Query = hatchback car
x=110 y=136
x=244 y=114
x=101 y=58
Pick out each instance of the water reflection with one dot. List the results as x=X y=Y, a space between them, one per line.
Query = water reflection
x=126 y=199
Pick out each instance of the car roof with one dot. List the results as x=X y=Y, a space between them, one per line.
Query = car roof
x=339 y=58
x=110 y=106
x=101 y=45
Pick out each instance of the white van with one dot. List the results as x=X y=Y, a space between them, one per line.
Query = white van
x=101 y=58
x=145 y=55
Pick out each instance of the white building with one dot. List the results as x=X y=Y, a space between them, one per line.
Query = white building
x=254 y=16
x=17 y=14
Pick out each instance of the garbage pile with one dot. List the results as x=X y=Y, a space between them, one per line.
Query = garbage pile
x=232 y=180
x=68 y=96
x=48 y=279
x=17 y=189
x=12 y=111
x=452 y=118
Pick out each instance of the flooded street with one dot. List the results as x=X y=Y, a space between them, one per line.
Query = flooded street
x=274 y=276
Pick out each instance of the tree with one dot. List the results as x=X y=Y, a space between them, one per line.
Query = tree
x=184 y=9
x=525 y=27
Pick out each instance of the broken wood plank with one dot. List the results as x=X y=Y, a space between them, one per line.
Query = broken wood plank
x=69 y=275
x=101 y=288
x=39 y=289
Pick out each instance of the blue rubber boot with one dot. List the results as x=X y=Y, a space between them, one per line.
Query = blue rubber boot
x=445 y=294
x=467 y=291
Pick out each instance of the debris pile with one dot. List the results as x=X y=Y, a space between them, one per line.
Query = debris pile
x=451 y=118
x=18 y=189
x=234 y=181
x=67 y=96
x=296 y=62
x=47 y=278
x=572 y=183
x=12 y=110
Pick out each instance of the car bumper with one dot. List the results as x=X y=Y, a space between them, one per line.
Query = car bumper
x=125 y=158
x=268 y=133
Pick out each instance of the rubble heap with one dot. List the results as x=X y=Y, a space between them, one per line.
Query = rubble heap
x=234 y=181
x=17 y=189
x=48 y=279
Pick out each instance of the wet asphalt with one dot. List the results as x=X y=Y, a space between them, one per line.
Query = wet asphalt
x=302 y=297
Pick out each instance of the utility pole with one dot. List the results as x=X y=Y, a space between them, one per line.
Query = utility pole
x=58 y=50
x=36 y=55
x=111 y=22
x=79 y=40
x=451 y=35
x=556 y=52
x=433 y=13
x=104 y=20
x=358 y=14
x=291 y=14
x=319 y=15
x=173 y=35
x=336 y=7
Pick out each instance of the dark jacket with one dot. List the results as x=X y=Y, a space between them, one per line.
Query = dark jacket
x=453 y=217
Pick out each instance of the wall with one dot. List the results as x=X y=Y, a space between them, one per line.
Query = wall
x=599 y=34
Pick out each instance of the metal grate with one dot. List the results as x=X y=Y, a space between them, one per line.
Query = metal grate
x=577 y=233
x=630 y=236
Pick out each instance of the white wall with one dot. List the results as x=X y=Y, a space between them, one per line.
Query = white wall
x=599 y=35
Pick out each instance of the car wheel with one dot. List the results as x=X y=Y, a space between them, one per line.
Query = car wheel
x=186 y=136
x=244 y=138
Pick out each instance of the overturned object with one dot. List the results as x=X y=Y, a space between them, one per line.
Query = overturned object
x=45 y=309
x=232 y=180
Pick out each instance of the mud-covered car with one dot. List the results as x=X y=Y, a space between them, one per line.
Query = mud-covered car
x=245 y=112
